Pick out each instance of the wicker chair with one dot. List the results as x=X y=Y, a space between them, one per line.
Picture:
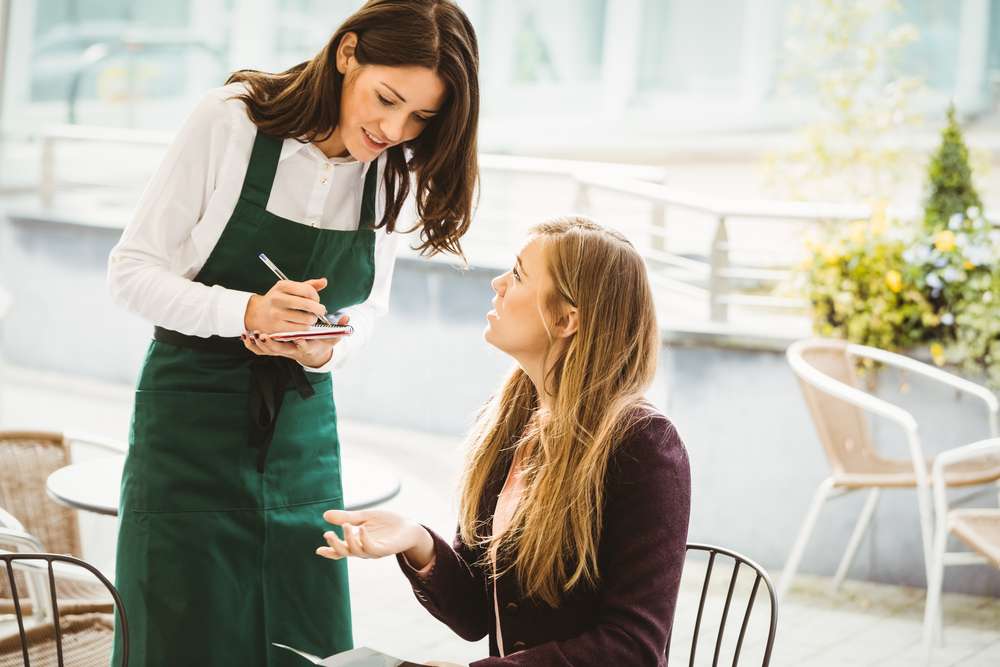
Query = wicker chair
x=64 y=638
x=26 y=460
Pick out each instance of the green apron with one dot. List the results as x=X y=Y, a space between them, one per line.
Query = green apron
x=232 y=460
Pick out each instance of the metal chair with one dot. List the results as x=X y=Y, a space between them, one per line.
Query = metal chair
x=840 y=408
x=27 y=458
x=78 y=640
x=760 y=574
x=978 y=528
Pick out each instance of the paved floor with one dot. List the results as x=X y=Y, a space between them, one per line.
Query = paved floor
x=864 y=624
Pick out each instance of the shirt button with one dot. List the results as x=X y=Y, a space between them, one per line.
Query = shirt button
x=518 y=646
x=326 y=166
x=324 y=180
x=511 y=608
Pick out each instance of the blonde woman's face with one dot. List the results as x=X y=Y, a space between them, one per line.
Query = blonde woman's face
x=515 y=324
x=385 y=106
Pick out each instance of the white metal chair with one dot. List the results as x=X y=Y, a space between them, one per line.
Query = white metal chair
x=840 y=408
x=978 y=528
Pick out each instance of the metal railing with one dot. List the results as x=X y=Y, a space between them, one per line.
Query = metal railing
x=721 y=276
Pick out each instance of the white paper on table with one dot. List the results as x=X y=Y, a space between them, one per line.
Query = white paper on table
x=359 y=657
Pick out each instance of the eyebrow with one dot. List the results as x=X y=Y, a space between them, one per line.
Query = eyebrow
x=403 y=99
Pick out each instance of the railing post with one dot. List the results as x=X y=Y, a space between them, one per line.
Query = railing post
x=718 y=263
x=47 y=177
x=581 y=201
x=658 y=220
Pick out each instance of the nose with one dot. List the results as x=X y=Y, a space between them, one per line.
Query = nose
x=393 y=127
x=499 y=284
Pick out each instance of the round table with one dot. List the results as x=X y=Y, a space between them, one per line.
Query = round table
x=93 y=485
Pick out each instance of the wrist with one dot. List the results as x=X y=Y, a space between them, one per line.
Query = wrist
x=250 y=316
x=421 y=549
x=318 y=360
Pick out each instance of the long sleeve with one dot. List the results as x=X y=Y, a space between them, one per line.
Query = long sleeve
x=454 y=591
x=146 y=270
x=642 y=556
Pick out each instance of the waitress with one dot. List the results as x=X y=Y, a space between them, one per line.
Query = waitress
x=233 y=453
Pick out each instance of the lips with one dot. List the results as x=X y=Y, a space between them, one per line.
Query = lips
x=373 y=141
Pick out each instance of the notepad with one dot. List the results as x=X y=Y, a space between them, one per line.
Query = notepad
x=315 y=332
x=359 y=657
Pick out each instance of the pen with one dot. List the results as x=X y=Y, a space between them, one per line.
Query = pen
x=281 y=276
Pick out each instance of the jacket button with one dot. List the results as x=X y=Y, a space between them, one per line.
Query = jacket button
x=518 y=646
x=511 y=608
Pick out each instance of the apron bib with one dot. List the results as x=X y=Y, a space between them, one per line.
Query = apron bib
x=232 y=460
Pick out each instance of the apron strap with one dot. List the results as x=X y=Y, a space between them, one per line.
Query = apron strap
x=367 y=220
x=269 y=378
x=260 y=172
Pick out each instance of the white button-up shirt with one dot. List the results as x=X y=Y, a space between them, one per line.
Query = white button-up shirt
x=185 y=207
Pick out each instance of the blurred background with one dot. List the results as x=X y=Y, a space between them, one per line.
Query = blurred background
x=734 y=141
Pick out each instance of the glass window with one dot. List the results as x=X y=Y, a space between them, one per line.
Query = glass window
x=934 y=56
x=690 y=47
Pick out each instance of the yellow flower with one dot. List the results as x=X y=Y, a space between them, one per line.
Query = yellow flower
x=857 y=233
x=967 y=265
x=878 y=222
x=937 y=353
x=945 y=240
x=830 y=255
x=894 y=281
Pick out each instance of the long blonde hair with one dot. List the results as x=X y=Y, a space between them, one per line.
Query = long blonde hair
x=597 y=383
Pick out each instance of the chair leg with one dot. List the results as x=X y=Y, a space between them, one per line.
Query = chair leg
x=933 y=609
x=819 y=498
x=926 y=526
x=852 y=544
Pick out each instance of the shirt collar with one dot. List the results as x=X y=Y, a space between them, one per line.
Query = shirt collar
x=291 y=146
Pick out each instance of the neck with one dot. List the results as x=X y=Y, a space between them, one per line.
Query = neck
x=332 y=146
x=538 y=371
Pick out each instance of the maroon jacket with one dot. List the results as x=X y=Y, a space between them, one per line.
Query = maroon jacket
x=626 y=620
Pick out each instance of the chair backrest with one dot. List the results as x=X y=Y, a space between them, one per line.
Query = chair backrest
x=26 y=460
x=843 y=428
x=60 y=627
x=760 y=575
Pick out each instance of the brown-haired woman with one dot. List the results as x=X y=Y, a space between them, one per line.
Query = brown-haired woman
x=234 y=446
x=576 y=493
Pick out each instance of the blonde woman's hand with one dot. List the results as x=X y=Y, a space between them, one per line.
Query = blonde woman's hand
x=311 y=353
x=376 y=534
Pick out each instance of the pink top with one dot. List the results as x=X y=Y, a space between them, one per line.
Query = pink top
x=507 y=503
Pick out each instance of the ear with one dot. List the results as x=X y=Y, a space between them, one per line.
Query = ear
x=345 y=51
x=568 y=323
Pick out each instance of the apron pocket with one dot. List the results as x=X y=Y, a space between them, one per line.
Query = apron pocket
x=189 y=453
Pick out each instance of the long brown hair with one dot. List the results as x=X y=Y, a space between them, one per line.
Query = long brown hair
x=303 y=102
x=597 y=382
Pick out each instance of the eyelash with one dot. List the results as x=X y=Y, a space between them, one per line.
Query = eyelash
x=517 y=276
x=389 y=103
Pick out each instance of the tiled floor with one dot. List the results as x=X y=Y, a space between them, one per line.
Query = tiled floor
x=864 y=624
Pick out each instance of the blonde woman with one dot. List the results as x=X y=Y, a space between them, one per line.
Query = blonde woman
x=576 y=493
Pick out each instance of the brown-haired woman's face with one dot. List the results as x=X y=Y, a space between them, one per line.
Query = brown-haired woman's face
x=384 y=106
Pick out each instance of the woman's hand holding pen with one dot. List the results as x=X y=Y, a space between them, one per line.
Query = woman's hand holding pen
x=376 y=534
x=288 y=306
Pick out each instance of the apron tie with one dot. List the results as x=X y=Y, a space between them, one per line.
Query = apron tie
x=270 y=377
